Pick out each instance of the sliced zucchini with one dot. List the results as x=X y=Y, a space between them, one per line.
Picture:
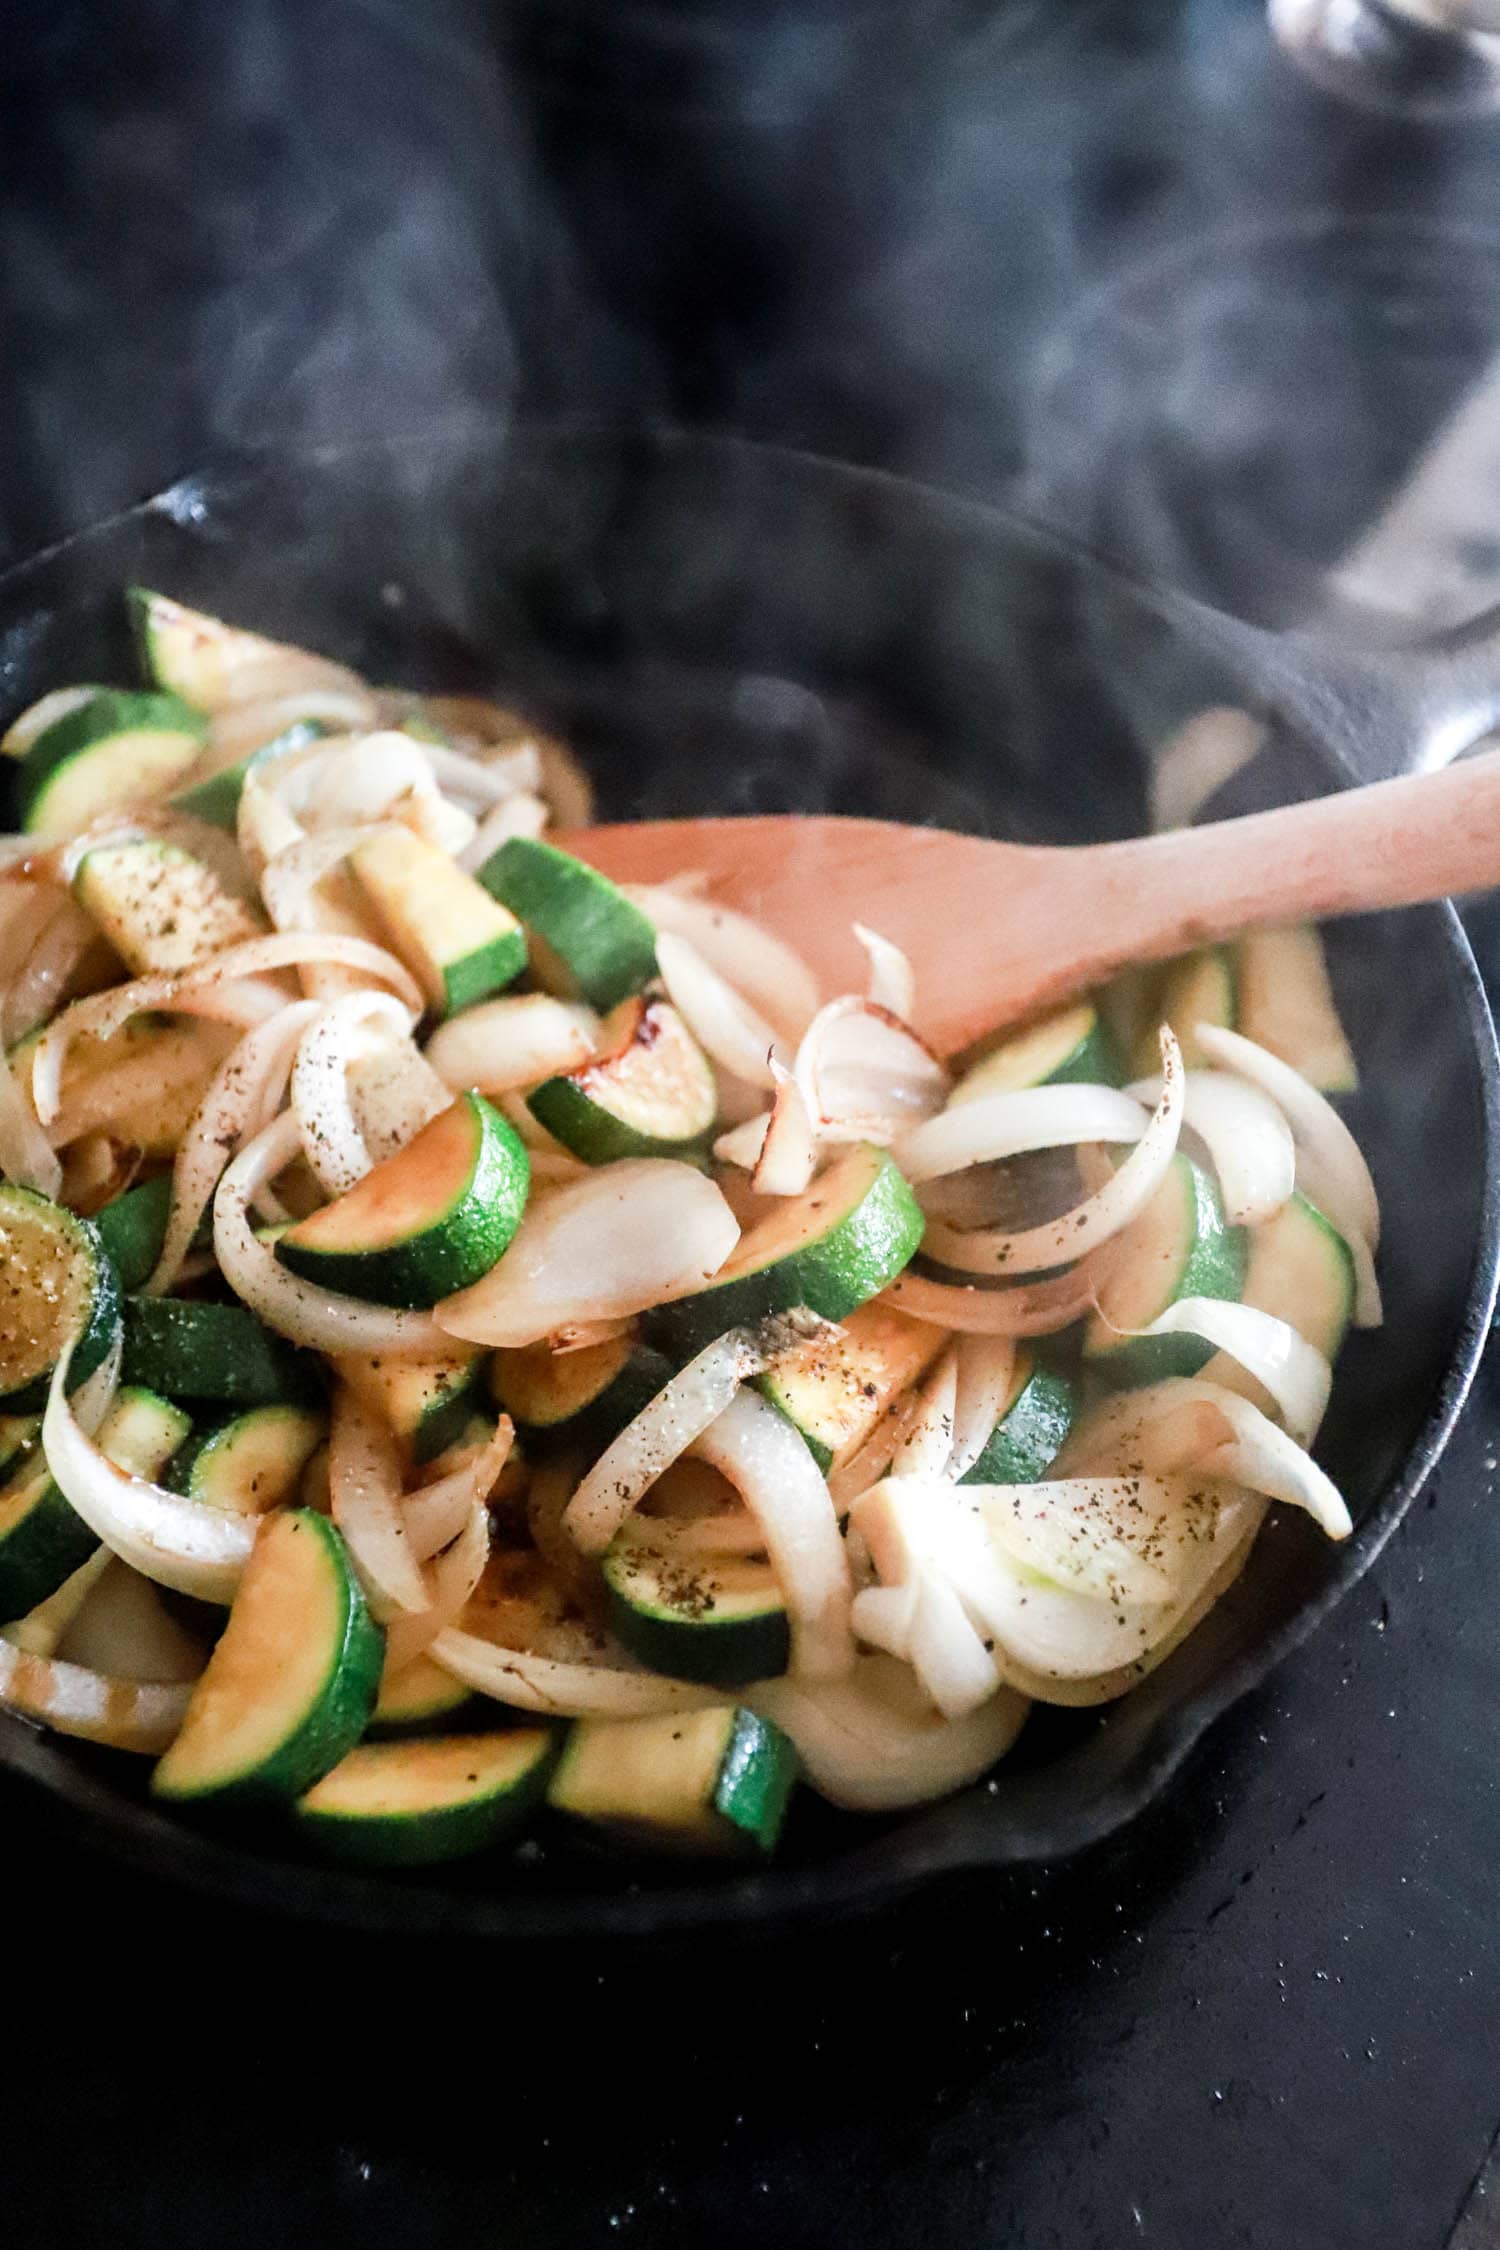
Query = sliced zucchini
x=603 y=942
x=292 y=1679
x=42 y=1540
x=717 y=1619
x=19 y=1435
x=1287 y=1004
x=1200 y=988
x=424 y=1403
x=429 y=1220
x=1071 y=1046
x=56 y=1284
x=37 y=717
x=134 y=1227
x=107 y=752
x=216 y=798
x=831 y=1248
x=1299 y=1268
x=649 y=1091
x=1180 y=1246
x=250 y=1462
x=713 y=1782
x=1037 y=1416
x=141 y=1084
x=836 y=1391
x=419 y=1696
x=460 y=944
x=413 y=1804
x=159 y=906
x=577 y=1399
x=216 y=665
x=194 y=1350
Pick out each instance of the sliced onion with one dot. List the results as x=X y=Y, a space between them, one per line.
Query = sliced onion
x=1330 y=1163
x=630 y=1235
x=217 y=987
x=946 y=1651
x=1034 y=1309
x=1248 y=1139
x=289 y=880
x=505 y=1044
x=865 y=1075
x=320 y=1097
x=436 y=1513
x=871 y=1460
x=567 y=1691
x=364 y=1484
x=475 y=781
x=724 y=1024
x=663 y=1430
x=893 y=983
x=773 y=979
x=995 y=1126
x=1121 y=1539
x=249 y=1080
x=453 y=1576
x=788 y=1153
x=767 y=1461
x=238 y=732
x=25 y=1152
x=523 y=815
x=320 y=1318
x=1101 y=1216
x=139 y=1715
x=393 y=1093
x=927 y=1447
x=986 y=1367
x=742 y=1144
x=873 y=1742
x=1295 y=1373
x=732 y=1531
x=172 y=1540
x=1270 y=1461
x=36 y=990
x=41 y=1631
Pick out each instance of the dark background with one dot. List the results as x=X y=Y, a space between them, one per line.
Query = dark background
x=1119 y=263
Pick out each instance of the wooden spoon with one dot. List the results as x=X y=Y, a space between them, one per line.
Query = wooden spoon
x=997 y=930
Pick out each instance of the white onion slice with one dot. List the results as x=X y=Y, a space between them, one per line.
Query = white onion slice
x=724 y=1024
x=630 y=1235
x=40 y=984
x=788 y=1153
x=1330 y=1164
x=522 y=815
x=742 y=1144
x=1269 y=1460
x=1097 y=1219
x=26 y=1154
x=513 y=1042
x=767 y=1461
x=946 y=1651
x=172 y=1540
x=557 y=1690
x=1246 y=1135
x=1118 y=1538
x=320 y=1098
x=453 y=1575
x=873 y=1743
x=220 y=979
x=293 y=1307
x=774 y=979
x=865 y=1075
x=1295 y=1373
x=393 y=1093
x=42 y=1629
x=986 y=1367
x=250 y=1077
x=663 y=1430
x=871 y=1460
x=893 y=983
x=927 y=1446
x=995 y=1126
x=138 y=1715
x=1033 y=1309
x=288 y=881
x=239 y=731
x=364 y=1484
x=26 y=908
x=436 y=1513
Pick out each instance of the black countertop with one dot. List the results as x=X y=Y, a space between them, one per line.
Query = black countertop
x=1269 y=2014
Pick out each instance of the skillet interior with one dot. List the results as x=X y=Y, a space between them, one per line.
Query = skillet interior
x=720 y=627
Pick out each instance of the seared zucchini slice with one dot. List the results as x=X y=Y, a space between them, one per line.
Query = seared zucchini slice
x=250 y=1462
x=1034 y=1421
x=714 y=1782
x=1071 y=1046
x=159 y=906
x=202 y=1350
x=1180 y=1246
x=413 y=1804
x=57 y=1284
x=603 y=941
x=836 y=1388
x=583 y=1398
x=458 y=942
x=649 y=1091
x=109 y=751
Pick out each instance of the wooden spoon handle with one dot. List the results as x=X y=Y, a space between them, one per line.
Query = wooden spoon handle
x=1390 y=843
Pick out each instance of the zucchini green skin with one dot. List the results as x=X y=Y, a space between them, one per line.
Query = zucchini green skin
x=443 y=1422
x=1093 y=1060
x=107 y=719
x=590 y=1109
x=324 y=1729
x=416 y=1699
x=588 y=1129
x=103 y=1319
x=842 y=1269
x=755 y=1770
x=18 y=1440
x=605 y=941
x=1029 y=1435
x=198 y=1350
x=217 y=800
x=492 y=1808
x=134 y=1227
x=210 y=1466
x=597 y=1424
x=1214 y=1267
x=667 y=1618
x=42 y=1540
x=458 y=1245
x=481 y=974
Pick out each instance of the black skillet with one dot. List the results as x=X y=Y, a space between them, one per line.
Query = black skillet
x=722 y=628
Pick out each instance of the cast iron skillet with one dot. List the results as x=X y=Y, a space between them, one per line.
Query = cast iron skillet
x=719 y=627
